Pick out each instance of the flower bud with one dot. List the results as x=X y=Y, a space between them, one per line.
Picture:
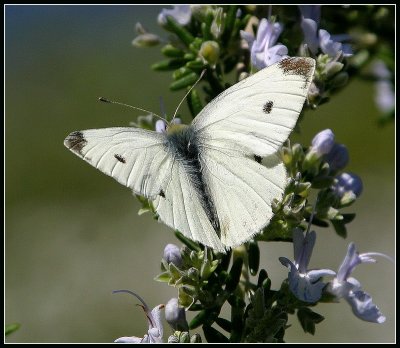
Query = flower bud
x=161 y=128
x=332 y=68
x=196 y=338
x=218 y=22
x=347 y=182
x=172 y=254
x=338 y=157
x=146 y=40
x=209 y=52
x=323 y=142
x=173 y=339
x=175 y=315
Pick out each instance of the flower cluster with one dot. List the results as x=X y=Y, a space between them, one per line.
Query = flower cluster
x=215 y=41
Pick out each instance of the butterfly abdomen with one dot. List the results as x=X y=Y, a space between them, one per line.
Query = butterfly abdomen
x=183 y=145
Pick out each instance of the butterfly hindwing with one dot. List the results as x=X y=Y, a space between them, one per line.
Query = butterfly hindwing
x=242 y=191
x=181 y=208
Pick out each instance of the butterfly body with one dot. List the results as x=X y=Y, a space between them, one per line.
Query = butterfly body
x=215 y=179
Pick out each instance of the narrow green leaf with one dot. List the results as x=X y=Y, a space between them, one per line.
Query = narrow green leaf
x=189 y=243
x=254 y=257
x=184 y=82
x=194 y=103
x=340 y=228
x=234 y=275
x=10 y=328
x=172 y=52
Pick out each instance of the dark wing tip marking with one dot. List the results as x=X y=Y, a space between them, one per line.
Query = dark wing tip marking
x=267 y=108
x=162 y=194
x=75 y=142
x=120 y=158
x=258 y=159
x=297 y=66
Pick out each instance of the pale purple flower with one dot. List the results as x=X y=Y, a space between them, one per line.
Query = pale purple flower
x=384 y=98
x=310 y=16
x=344 y=286
x=305 y=284
x=176 y=315
x=182 y=14
x=331 y=47
x=337 y=157
x=314 y=39
x=323 y=142
x=263 y=50
x=347 y=182
x=161 y=125
x=155 y=330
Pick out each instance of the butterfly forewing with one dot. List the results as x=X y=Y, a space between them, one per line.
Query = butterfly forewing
x=257 y=114
x=135 y=157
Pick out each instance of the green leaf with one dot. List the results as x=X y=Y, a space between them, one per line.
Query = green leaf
x=254 y=257
x=339 y=227
x=308 y=319
x=194 y=102
x=206 y=316
x=348 y=218
x=10 y=328
x=189 y=243
x=195 y=64
x=163 y=277
x=185 y=81
x=172 y=52
x=213 y=335
x=234 y=275
x=184 y=298
x=261 y=277
x=181 y=72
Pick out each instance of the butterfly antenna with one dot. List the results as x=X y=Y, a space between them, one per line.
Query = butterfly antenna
x=105 y=100
x=194 y=85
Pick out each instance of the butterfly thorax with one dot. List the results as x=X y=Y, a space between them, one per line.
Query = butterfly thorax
x=176 y=128
x=183 y=144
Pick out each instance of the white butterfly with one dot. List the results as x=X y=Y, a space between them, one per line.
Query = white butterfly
x=206 y=180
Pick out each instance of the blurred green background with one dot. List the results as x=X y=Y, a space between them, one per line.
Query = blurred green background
x=73 y=234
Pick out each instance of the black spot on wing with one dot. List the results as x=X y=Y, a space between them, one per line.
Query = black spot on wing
x=267 y=108
x=258 y=159
x=75 y=142
x=120 y=158
x=162 y=194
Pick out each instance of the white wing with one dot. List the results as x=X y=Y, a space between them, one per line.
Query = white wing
x=257 y=114
x=242 y=191
x=180 y=208
x=136 y=158
x=246 y=123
